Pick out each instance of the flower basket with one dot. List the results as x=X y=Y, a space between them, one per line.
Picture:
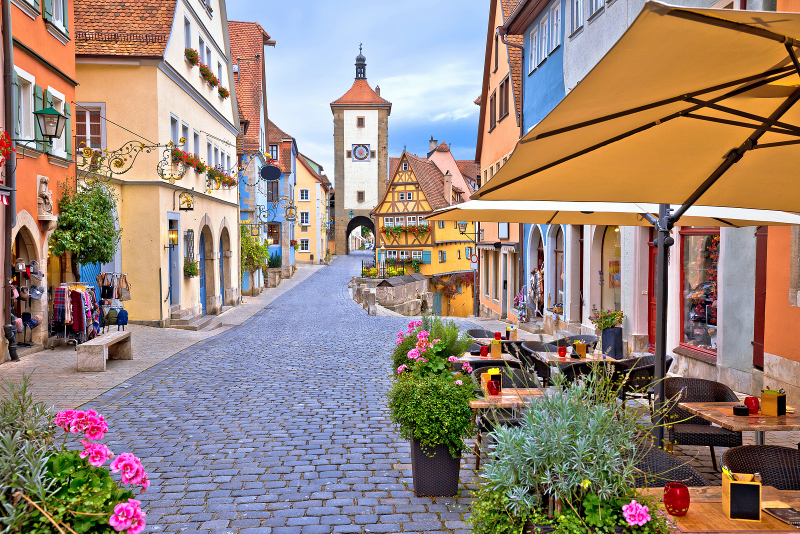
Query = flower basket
x=393 y=231
x=419 y=230
x=208 y=75
x=191 y=268
x=5 y=145
x=192 y=57
x=223 y=93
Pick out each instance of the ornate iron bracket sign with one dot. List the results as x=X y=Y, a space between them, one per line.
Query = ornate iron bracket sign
x=102 y=165
x=186 y=201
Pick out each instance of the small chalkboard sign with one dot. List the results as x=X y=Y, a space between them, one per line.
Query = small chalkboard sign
x=270 y=173
x=741 y=500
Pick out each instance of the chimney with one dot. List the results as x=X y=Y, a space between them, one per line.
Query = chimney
x=378 y=90
x=433 y=144
x=448 y=188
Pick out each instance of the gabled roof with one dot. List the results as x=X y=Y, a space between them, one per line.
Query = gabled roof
x=468 y=169
x=274 y=134
x=314 y=169
x=361 y=95
x=430 y=178
x=285 y=142
x=393 y=164
x=514 y=54
x=138 y=28
x=326 y=182
x=247 y=41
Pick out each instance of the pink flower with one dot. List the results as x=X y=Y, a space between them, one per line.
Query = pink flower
x=128 y=516
x=435 y=341
x=131 y=467
x=401 y=369
x=413 y=354
x=399 y=341
x=459 y=383
x=466 y=367
x=636 y=514
x=64 y=419
x=412 y=324
x=95 y=427
x=417 y=323
x=422 y=335
x=452 y=359
x=98 y=453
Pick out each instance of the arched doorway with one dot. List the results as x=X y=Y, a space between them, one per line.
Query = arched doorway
x=205 y=256
x=224 y=264
x=357 y=222
x=535 y=273
x=611 y=292
x=556 y=267
x=26 y=249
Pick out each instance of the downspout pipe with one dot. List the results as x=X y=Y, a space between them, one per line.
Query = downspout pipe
x=520 y=113
x=10 y=175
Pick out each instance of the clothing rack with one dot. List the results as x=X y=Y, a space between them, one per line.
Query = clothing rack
x=73 y=337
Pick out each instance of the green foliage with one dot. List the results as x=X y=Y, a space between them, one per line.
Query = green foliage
x=455 y=341
x=433 y=410
x=607 y=319
x=571 y=445
x=191 y=268
x=365 y=231
x=254 y=254
x=87 y=224
x=84 y=499
x=490 y=515
x=274 y=260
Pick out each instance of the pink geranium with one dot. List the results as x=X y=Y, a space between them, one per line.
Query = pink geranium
x=636 y=514
x=95 y=427
x=452 y=359
x=467 y=368
x=64 y=419
x=459 y=383
x=98 y=453
x=128 y=516
x=413 y=354
x=423 y=335
x=401 y=369
x=132 y=470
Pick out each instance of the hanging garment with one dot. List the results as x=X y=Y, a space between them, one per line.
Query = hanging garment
x=78 y=311
x=59 y=305
x=124 y=288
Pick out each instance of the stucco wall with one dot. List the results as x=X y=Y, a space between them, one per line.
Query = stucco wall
x=544 y=83
x=360 y=175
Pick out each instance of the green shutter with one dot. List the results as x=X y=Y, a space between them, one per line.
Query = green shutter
x=38 y=104
x=65 y=15
x=36 y=5
x=68 y=130
x=16 y=105
x=48 y=10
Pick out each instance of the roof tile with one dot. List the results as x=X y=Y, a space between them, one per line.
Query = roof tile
x=248 y=40
x=514 y=53
x=361 y=94
x=103 y=27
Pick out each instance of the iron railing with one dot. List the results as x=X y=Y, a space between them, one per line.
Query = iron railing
x=370 y=269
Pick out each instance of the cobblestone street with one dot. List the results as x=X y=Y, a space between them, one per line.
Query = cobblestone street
x=278 y=425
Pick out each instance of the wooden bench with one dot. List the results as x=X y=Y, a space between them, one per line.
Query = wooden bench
x=93 y=354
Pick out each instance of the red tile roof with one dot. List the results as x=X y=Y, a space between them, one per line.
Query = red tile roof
x=469 y=169
x=122 y=27
x=361 y=95
x=442 y=147
x=393 y=164
x=248 y=40
x=274 y=134
x=431 y=180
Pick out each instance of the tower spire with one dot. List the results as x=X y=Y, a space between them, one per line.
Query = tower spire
x=361 y=65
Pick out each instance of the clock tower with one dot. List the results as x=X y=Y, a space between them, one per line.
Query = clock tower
x=361 y=140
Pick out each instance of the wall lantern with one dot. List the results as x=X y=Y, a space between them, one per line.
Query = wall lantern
x=270 y=241
x=351 y=214
x=173 y=238
x=51 y=123
x=462 y=226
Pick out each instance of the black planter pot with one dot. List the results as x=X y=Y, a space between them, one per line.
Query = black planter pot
x=435 y=471
x=612 y=342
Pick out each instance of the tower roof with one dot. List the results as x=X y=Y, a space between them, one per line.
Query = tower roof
x=361 y=95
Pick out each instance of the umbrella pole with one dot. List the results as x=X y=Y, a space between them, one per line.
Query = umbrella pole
x=664 y=241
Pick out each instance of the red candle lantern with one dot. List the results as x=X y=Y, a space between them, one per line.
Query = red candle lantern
x=484 y=350
x=562 y=352
x=752 y=404
x=676 y=498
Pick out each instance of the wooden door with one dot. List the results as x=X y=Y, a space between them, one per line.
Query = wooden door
x=760 y=297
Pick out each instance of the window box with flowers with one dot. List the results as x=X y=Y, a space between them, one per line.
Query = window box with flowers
x=419 y=230
x=393 y=231
x=192 y=57
x=223 y=93
x=191 y=268
x=294 y=244
x=208 y=75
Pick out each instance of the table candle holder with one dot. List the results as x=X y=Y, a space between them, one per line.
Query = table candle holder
x=676 y=499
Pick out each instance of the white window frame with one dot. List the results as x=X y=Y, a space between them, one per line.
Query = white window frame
x=442 y=256
x=208 y=56
x=88 y=108
x=304 y=245
x=576 y=16
x=402 y=196
x=416 y=255
x=411 y=220
x=305 y=195
x=59 y=147
x=405 y=165
x=422 y=221
x=187 y=33
x=196 y=140
x=185 y=135
x=503 y=228
x=174 y=129
x=441 y=224
x=543 y=27
x=58 y=14
x=388 y=221
x=391 y=254
x=410 y=196
x=595 y=7
x=219 y=69
x=228 y=163
x=24 y=104
x=305 y=218
x=201 y=49
x=533 y=49
x=555 y=26
x=399 y=221
x=404 y=255
x=216 y=156
x=209 y=153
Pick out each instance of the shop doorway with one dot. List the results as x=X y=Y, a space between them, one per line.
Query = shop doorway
x=224 y=263
x=174 y=268
x=201 y=254
x=504 y=287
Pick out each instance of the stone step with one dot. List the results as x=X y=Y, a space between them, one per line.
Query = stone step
x=178 y=313
x=197 y=322
x=225 y=308
x=213 y=325
x=174 y=308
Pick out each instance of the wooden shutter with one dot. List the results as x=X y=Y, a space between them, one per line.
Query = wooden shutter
x=759 y=315
x=36 y=5
x=38 y=104
x=65 y=14
x=47 y=13
x=16 y=104
x=426 y=256
x=68 y=130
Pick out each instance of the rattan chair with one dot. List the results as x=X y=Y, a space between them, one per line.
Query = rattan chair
x=569 y=341
x=655 y=468
x=480 y=333
x=532 y=359
x=779 y=466
x=686 y=429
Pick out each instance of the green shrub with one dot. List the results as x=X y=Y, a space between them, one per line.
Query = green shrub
x=455 y=342
x=275 y=260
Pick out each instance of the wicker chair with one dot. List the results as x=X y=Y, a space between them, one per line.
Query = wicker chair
x=656 y=468
x=569 y=341
x=686 y=429
x=480 y=333
x=640 y=381
x=779 y=466
x=531 y=359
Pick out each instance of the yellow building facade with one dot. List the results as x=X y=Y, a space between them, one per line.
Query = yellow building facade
x=438 y=250
x=156 y=96
x=312 y=200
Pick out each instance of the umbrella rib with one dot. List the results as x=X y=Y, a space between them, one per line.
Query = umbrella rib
x=744 y=114
x=760 y=79
x=749 y=125
x=731 y=25
x=735 y=155
x=782 y=143
x=551 y=218
x=724 y=222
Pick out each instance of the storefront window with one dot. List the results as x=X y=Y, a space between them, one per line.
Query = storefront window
x=274 y=231
x=611 y=292
x=700 y=257
x=559 y=257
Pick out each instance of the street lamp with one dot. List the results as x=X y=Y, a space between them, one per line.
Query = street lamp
x=351 y=214
x=172 y=238
x=51 y=123
x=462 y=226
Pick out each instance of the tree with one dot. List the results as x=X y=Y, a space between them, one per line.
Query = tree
x=365 y=231
x=87 y=224
x=254 y=254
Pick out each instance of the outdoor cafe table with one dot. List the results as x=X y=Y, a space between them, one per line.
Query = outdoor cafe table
x=476 y=361
x=705 y=511
x=554 y=359
x=721 y=413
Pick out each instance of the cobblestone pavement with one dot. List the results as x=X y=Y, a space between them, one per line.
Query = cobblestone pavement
x=279 y=425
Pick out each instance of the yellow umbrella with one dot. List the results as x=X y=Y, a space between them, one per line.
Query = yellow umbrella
x=689 y=106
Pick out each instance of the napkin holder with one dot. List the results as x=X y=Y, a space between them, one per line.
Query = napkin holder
x=741 y=500
x=497 y=349
x=485 y=378
x=773 y=403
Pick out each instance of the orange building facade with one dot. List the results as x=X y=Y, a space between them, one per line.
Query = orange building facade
x=44 y=76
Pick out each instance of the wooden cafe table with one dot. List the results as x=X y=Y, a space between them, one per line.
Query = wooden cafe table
x=721 y=413
x=481 y=361
x=705 y=512
x=554 y=359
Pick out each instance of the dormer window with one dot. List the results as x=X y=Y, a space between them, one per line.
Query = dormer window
x=405 y=165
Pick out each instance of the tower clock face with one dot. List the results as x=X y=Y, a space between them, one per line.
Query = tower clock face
x=360 y=152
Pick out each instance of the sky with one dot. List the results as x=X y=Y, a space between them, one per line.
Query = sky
x=427 y=58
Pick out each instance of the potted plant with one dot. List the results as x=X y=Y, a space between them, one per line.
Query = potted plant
x=223 y=93
x=208 y=75
x=293 y=244
x=192 y=57
x=430 y=404
x=274 y=267
x=611 y=334
x=191 y=268
x=551 y=475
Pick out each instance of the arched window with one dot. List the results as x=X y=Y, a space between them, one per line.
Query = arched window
x=559 y=270
x=611 y=292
